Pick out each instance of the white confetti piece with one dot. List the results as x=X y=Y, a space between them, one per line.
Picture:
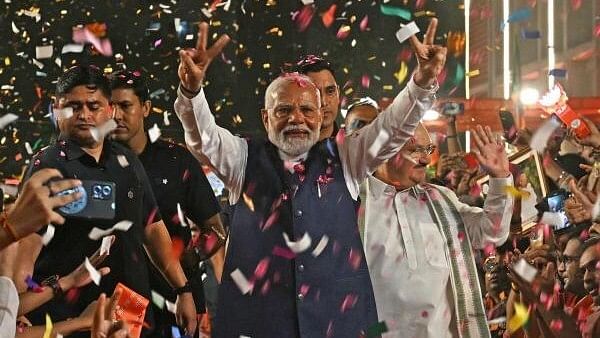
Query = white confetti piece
x=166 y=120
x=241 y=281
x=154 y=133
x=7 y=119
x=552 y=218
x=97 y=233
x=320 y=246
x=308 y=2
x=37 y=63
x=525 y=270
x=94 y=274
x=299 y=246
x=14 y=28
x=596 y=210
x=157 y=299
x=100 y=132
x=181 y=216
x=63 y=113
x=48 y=235
x=44 y=52
x=72 y=48
x=407 y=31
x=170 y=307
x=122 y=161
x=105 y=246
x=540 y=138
x=28 y=148
x=58 y=61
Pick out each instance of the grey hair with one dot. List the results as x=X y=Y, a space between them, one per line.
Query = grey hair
x=300 y=79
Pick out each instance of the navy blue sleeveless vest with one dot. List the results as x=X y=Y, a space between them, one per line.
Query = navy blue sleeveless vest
x=315 y=293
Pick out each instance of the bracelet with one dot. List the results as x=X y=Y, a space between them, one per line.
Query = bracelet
x=189 y=92
x=184 y=289
x=52 y=282
x=8 y=228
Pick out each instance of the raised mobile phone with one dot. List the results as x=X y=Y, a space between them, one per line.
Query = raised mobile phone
x=508 y=125
x=452 y=108
x=97 y=201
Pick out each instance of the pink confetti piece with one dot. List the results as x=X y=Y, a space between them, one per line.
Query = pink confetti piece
x=556 y=325
x=283 y=252
x=304 y=289
x=241 y=281
x=424 y=314
x=349 y=302
x=261 y=268
x=270 y=221
x=343 y=32
x=85 y=36
x=329 y=16
x=157 y=43
x=304 y=18
x=461 y=235
x=265 y=288
x=364 y=23
x=365 y=81
x=354 y=258
x=597 y=30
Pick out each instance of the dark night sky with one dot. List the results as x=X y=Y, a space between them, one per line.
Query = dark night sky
x=264 y=38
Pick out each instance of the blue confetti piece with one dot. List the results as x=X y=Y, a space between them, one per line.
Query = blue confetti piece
x=520 y=15
x=558 y=72
x=175 y=332
x=534 y=34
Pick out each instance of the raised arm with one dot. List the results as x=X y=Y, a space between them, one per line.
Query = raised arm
x=491 y=224
x=204 y=138
x=362 y=152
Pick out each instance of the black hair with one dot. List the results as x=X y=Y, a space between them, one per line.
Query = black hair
x=90 y=76
x=591 y=241
x=313 y=63
x=131 y=80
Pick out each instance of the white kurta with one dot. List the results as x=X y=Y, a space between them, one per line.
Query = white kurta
x=407 y=255
x=9 y=303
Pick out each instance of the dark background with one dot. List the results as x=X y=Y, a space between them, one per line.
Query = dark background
x=264 y=38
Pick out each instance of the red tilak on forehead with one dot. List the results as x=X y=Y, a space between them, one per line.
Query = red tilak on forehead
x=300 y=80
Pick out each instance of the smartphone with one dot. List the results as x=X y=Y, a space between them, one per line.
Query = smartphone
x=452 y=108
x=555 y=202
x=96 y=203
x=508 y=125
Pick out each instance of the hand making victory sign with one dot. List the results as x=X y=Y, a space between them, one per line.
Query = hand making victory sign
x=431 y=58
x=194 y=62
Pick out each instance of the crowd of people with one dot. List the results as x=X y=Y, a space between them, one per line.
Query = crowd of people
x=330 y=230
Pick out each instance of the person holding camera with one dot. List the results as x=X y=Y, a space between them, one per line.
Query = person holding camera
x=118 y=185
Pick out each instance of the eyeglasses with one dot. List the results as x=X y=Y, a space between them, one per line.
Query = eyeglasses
x=285 y=111
x=422 y=151
x=490 y=264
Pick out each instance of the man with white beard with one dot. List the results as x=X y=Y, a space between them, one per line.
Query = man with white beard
x=295 y=266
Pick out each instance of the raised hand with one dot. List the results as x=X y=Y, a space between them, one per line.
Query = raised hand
x=490 y=152
x=194 y=62
x=104 y=324
x=80 y=276
x=431 y=58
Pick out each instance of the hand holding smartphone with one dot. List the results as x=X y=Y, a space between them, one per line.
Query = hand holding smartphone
x=97 y=201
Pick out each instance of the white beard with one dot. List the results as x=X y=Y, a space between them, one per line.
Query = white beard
x=294 y=147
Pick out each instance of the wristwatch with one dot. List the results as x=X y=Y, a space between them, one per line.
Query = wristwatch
x=183 y=289
x=52 y=282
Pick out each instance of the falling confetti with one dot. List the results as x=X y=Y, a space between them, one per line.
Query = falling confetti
x=540 y=138
x=395 y=11
x=94 y=274
x=85 y=36
x=329 y=16
x=525 y=270
x=407 y=31
x=241 y=281
x=48 y=235
x=97 y=233
x=320 y=246
x=520 y=317
x=106 y=128
x=154 y=133
x=48 y=330
x=299 y=246
x=7 y=119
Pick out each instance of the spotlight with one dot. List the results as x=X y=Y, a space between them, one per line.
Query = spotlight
x=529 y=96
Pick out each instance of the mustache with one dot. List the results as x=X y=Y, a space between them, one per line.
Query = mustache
x=296 y=128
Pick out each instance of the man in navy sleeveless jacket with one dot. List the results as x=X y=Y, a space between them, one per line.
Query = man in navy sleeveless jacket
x=295 y=266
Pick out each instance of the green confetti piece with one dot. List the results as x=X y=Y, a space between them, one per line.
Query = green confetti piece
x=158 y=300
x=459 y=77
x=396 y=11
x=37 y=144
x=377 y=329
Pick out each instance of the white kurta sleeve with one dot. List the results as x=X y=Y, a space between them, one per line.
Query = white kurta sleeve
x=9 y=304
x=490 y=225
x=363 y=151
x=206 y=140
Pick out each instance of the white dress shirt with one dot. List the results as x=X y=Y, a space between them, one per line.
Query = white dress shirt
x=360 y=153
x=9 y=304
x=406 y=255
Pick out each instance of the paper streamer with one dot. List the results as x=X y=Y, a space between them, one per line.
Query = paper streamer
x=48 y=235
x=97 y=233
x=299 y=246
x=407 y=31
x=94 y=274
x=241 y=281
x=540 y=138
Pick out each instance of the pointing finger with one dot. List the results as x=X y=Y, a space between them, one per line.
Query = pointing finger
x=202 y=36
x=218 y=46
